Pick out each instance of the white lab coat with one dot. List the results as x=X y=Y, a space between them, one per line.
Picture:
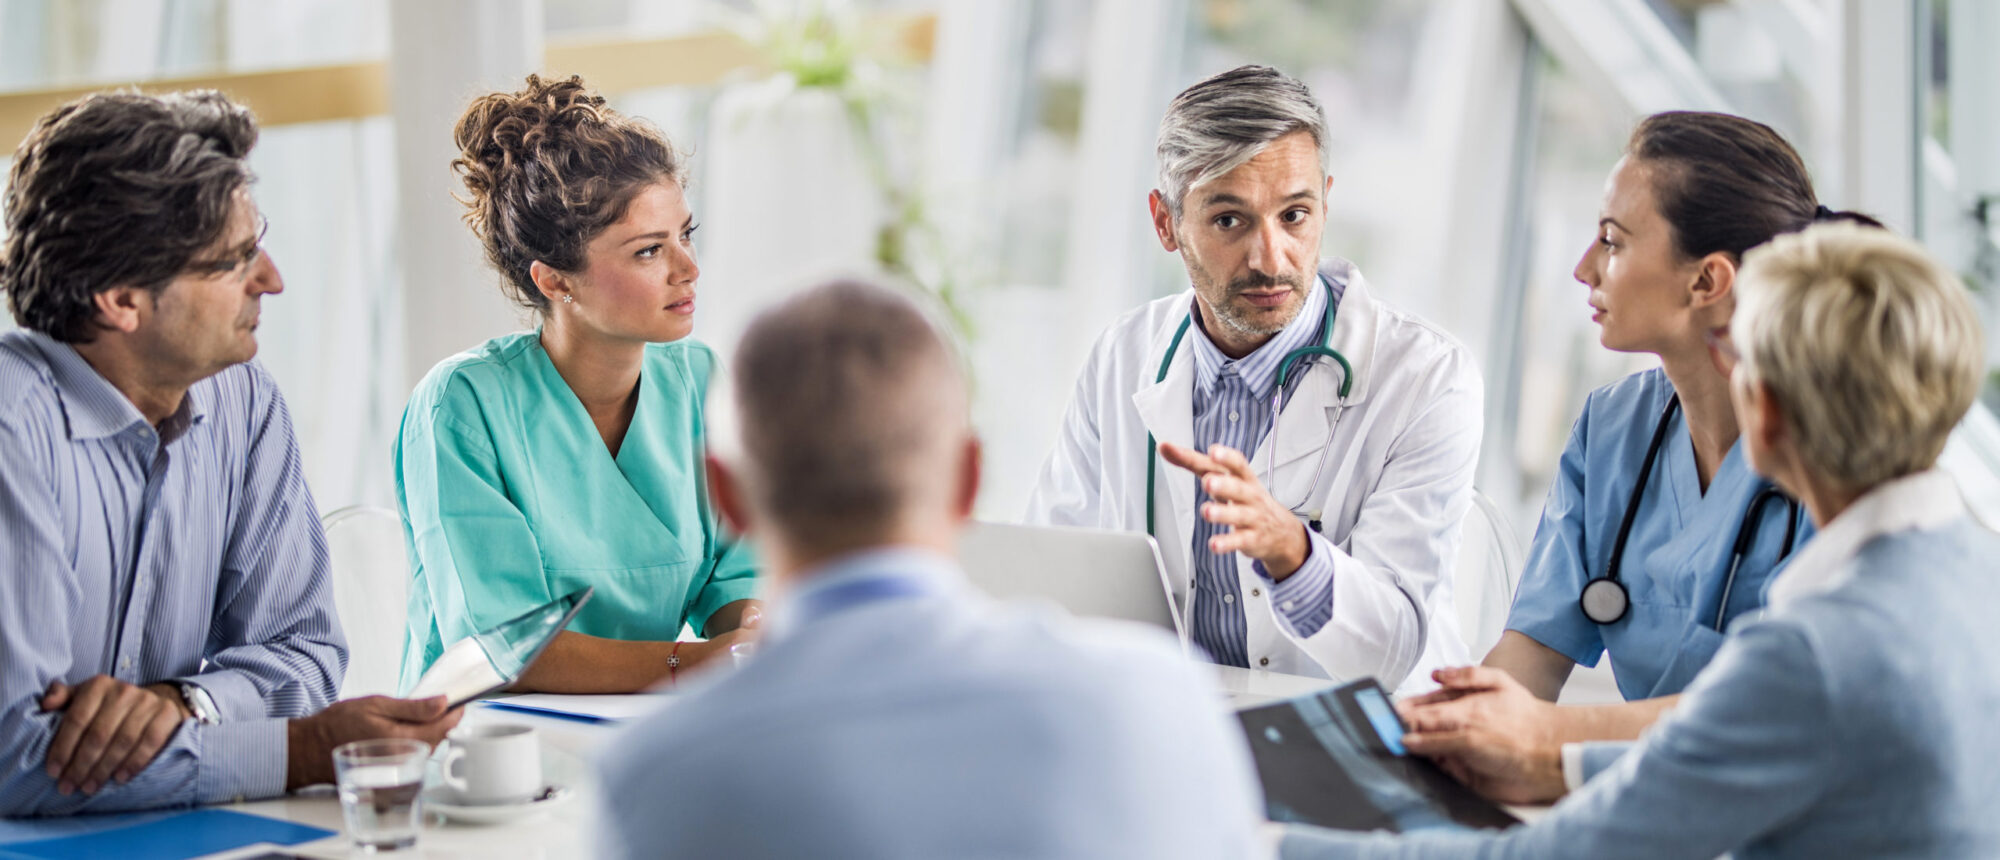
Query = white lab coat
x=1398 y=482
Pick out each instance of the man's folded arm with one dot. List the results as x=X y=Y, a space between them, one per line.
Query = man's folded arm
x=199 y=764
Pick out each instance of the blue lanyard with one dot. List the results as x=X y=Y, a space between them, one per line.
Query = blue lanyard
x=846 y=595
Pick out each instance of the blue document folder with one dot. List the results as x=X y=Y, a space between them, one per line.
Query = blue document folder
x=147 y=835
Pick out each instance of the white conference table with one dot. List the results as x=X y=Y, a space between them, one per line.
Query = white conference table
x=568 y=746
x=567 y=749
x=563 y=832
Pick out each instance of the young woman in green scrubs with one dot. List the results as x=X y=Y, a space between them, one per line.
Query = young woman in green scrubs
x=544 y=461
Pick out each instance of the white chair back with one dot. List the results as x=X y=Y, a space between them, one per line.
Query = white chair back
x=1490 y=558
x=371 y=589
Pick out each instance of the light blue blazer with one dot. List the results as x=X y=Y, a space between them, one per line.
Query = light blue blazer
x=1855 y=719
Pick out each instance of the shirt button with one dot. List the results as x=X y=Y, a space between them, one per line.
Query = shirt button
x=1232 y=415
x=124 y=664
x=1263 y=661
x=1288 y=606
x=1256 y=592
x=1229 y=598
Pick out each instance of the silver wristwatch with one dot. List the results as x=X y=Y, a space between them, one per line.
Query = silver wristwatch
x=200 y=703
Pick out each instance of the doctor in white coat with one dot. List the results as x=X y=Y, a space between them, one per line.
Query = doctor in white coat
x=1317 y=537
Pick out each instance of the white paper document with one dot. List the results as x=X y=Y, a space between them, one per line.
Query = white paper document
x=462 y=672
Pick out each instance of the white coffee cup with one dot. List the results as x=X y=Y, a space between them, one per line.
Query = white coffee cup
x=493 y=763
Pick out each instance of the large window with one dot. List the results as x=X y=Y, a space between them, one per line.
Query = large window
x=1469 y=144
x=326 y=187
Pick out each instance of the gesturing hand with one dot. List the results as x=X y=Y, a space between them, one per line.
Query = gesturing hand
x=110 y=730
x=1259 y=526
x=1487 y=730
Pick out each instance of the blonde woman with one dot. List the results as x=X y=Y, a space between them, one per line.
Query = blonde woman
x=1854 y=718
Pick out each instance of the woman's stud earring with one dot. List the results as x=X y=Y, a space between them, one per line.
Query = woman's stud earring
x=569 y=299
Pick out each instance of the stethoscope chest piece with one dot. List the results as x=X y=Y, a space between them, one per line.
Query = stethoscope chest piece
x=1604 y=600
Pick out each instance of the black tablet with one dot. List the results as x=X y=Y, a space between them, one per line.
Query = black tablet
x=1335 y=758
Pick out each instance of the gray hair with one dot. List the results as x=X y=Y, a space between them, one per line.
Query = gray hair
x=118 y=189
x=850 y=412
x=1871 y=349
x=1215 y=126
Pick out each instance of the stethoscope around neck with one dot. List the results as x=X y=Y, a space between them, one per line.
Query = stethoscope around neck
x=1605 y=600
x=1324 y=348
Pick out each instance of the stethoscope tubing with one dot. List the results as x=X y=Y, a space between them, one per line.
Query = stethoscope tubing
x=1746 y=529
x=1323 y=348
x=1746 y=535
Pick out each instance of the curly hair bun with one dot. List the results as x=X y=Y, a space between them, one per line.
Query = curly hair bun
x=500 y=131
x=546 y=169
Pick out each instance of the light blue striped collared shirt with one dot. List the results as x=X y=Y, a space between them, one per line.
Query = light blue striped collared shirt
x=1232 y=406
x=192 y=553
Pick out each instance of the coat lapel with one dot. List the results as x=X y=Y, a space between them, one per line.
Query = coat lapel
x=1306 y=423
x=1166 y=407
x=1305 y=428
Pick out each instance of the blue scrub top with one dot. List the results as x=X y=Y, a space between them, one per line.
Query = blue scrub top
x=1676 y=558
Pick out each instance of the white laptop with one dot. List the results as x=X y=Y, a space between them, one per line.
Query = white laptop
x=1090 y=572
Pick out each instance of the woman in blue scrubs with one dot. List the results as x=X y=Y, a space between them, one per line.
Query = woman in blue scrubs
x=1652 y=506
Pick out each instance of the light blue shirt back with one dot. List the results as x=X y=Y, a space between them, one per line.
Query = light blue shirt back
x=917 y=719
x=191 y=552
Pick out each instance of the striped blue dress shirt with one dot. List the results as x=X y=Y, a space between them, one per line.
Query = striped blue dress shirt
x=1232 y=406
x=187 y=553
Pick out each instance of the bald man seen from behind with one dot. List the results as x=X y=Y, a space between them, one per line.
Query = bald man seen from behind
x=891 y=711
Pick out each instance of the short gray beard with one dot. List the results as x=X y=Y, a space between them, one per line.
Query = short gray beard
x=1226 y=314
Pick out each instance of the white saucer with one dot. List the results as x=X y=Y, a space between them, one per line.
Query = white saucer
x=445 y=801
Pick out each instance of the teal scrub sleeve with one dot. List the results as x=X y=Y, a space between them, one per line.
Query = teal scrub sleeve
x=478 y=559
x=732 y=567
x=731 y=577
x=1545 y=607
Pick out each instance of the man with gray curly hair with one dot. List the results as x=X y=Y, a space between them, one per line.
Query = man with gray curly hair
x=1319 y=445
x=167 y=627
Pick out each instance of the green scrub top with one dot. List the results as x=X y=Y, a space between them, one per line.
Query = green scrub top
x=510 y=499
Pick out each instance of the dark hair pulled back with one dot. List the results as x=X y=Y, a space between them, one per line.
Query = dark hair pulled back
x=548 y=168
x=1727 y=184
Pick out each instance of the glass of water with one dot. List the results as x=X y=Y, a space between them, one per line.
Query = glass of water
x=379 y=782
